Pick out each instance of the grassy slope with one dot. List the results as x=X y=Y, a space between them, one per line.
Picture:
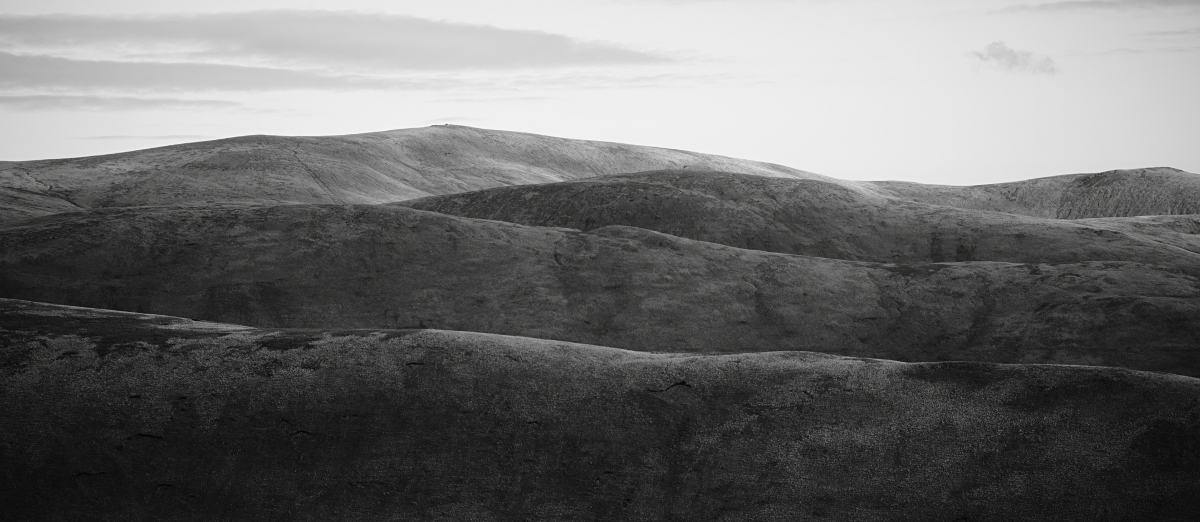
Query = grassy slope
x=814 y=217
x=115 y=416
x=362 y=168
x=394 y=267
x=1116 y=193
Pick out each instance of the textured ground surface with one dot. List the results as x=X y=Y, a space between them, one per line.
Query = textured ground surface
x=446 y=159
x=818 y=218
x=338 y=399
x=1116 y=193
x=110 y=416
x=369 y=266
x=362 y=168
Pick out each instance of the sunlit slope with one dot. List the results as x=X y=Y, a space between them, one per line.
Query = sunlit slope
x=818 y=218
x=1116 y=193
x=361 y=168
x=372 y=266
x=124 y=417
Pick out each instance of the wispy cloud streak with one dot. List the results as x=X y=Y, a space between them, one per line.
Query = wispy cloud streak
x=1107 y=5
x=310 y=39
x=166 y=137
x=1001 y=56
x=1195 y=31
x=49 y=72
x=41 y=102
x=87 y=55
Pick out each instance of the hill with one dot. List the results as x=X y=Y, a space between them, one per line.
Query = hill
x=107 y=415
x=818 y=218
x=1115 y=193
x=365 y=266
x=361 y=168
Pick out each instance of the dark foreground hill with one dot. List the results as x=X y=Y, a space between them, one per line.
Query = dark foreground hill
x=367 y=266
x=1116 y=193
x=112 y=416
x=361 y=168
x=818 y=218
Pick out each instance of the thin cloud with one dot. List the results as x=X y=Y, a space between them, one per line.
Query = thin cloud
x=1195 y=31
x=54 y=75
x=1127 y=50
x=1103 y=5
x=494 y=99
x=42 y=102
x=452 y=119
x=1001 y=56
x=165 y=137
x=48 y=72
x=309 y=39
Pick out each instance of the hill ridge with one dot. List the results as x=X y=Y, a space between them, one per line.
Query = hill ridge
x=356 y=168
x=1112 y=193
x=126 y=421
x=813 y=217
x=396 y=267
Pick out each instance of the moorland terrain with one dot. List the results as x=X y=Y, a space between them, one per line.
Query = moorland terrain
x=463 y=324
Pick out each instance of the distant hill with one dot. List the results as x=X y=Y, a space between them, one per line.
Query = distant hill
x=361 y=168
x=370 y=266
x=818 y=218
x=1116 y=193
x=404 y=164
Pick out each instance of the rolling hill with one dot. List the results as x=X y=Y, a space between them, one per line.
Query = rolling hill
x=818 y=218
x=405 y=164
x=361 y=168
x=452 y=324
x=370 y=266
x=118 y=416
x=1115 y=193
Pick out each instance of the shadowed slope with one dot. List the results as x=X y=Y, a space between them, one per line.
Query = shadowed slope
x=1116 y=193
x=395 y=267
x=361 y=168
x=153 y=418
x=817 y=218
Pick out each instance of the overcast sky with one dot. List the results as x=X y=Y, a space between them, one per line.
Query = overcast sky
x=936 y=91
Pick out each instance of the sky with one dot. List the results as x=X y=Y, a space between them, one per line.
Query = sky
x=956 y=92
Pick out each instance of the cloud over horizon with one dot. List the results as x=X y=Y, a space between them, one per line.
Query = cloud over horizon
x=1111 y=5
x=1001 y=56
x=21 y=71
x=171 y=137
x=41 y=102
x=273 y=51
x=1195 y=31
x=327 y=40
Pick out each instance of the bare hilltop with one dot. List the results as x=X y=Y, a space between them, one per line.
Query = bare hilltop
x=369 y=168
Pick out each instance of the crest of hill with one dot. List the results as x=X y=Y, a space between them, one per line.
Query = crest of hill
x=133 y=417
x=1115 y=193
x=383 y=266
x=818 y=218
x=362 y=168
